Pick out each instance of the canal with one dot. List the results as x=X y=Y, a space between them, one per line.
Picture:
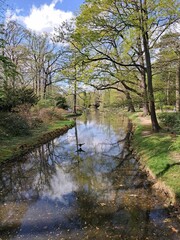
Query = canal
x=82 y=185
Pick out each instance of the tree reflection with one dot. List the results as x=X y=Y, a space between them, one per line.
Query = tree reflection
x=29 y=175
x=99 y=193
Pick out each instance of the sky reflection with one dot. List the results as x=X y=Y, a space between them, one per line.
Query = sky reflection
x=61 y=184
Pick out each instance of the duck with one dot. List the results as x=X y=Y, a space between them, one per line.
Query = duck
x=80 y=149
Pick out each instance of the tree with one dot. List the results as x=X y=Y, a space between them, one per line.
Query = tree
x=8 y=70
x=15 y=36
x=104 y=75
x=105 y=24
x=167 y=66
x=45 y=60
x=71 y=73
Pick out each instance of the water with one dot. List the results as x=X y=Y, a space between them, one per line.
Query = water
x=63 y=190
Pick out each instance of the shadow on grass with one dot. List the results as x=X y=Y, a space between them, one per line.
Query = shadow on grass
x=168 y=166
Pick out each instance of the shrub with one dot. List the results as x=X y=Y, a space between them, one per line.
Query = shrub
x=14 y=124
x=50 y=114
x=61 y=102
x=171 y=120
x=10 y=98
x=45 y=103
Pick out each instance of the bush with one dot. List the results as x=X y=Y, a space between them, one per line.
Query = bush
x=14 y=124
x=45 y=103
x=61 y=102
x=50 y=114
x=11 y=98
x=171 y=120
x=36 y=122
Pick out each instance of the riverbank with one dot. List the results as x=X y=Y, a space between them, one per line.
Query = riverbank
x=159 y=155
x=14 y=147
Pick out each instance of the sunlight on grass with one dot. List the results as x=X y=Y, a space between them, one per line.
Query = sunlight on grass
x=172 y=179
x=156 y=151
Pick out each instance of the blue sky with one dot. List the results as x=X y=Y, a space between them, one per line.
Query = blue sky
x=66 y=5
x=42 y=15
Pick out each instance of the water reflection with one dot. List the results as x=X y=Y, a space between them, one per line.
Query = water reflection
x=61 y=184
x=58 y=192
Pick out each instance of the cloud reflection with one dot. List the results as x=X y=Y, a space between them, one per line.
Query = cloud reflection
x=61 y=184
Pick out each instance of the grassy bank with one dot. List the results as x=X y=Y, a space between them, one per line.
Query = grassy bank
x=13 y=146
x=158 y=152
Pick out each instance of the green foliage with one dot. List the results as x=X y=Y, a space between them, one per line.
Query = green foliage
x=170 y=120
x=13 y=125
x=58 y=101
x=168 y=107
x=61 y=102
x=8 y=68
x=45 y=103
x=13 y=145
x=27 y=96
x=10 y=97
x=166 y=67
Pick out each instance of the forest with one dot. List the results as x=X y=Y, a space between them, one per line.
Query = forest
x=113 y=54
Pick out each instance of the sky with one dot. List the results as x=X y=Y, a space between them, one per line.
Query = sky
x=42 y=15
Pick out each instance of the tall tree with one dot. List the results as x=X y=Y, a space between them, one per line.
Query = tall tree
x=15 y=37
x=167 y=66
x=45 y=61
x=103 y=24
x=71 y=73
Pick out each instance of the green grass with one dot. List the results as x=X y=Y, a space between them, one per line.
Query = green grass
x=15 y=146
x=59 y=124
x=171 y=177
x=156 y=151
x=176 y=144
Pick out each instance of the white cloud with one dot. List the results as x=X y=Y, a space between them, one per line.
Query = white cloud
x=42 y=19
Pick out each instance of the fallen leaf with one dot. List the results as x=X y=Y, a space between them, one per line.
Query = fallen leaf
x=174 y=229
x=102 y=204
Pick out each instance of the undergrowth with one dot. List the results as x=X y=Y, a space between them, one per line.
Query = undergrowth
x=171 y=120
x=25 y=128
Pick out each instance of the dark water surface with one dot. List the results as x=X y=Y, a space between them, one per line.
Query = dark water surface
x=60 y=191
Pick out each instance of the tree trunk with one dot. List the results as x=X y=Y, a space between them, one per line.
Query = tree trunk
x=39 y=84
x=178 y=87
x=129 y=102
x=36 y=85
x=143 y=84
x=154 y=122
x=76 y=135
x=168 y=90
x=75 y=97
x=144 y=92
x=145 y=37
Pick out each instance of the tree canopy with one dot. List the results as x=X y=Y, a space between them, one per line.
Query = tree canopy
x=109 y=45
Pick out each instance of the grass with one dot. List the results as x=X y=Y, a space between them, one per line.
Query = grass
x=58 y=124
x=171 y=177
x=159 y=152
x=12 y=147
